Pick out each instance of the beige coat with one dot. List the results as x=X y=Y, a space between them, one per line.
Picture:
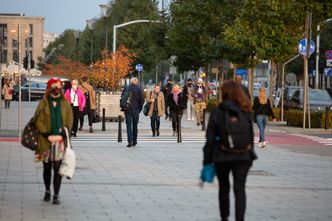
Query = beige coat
x=161 y=103
x=7 y=92
x=87 y=87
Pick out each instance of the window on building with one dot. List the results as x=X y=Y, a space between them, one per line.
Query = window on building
x=15 y=44
x=15 y=55
x=31 y=29
x=3 y=56
x=31 y=42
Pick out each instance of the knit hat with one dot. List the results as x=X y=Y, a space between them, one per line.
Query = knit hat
x=200 y=80
x=53 y=81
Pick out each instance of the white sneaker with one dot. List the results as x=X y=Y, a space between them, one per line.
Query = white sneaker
x=265 y=143
x=188 y=119
x=260 y=144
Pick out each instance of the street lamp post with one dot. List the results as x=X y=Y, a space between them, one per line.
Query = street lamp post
x=77 y=34
x=91 y=25
x=317 y=52
x=105 y=14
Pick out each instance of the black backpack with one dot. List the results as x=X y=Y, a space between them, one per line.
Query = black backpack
x=125 y=99
x=236 y=136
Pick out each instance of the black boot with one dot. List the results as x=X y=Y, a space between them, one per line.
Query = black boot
x=158 y=133
x=91 y=129
x=56 y=200
x=153 y=133
x=47 y=196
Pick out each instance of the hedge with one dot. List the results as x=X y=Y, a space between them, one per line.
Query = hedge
x=295 y=118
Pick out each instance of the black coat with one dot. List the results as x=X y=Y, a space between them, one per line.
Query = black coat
x=137 y=99
x=176 y=107
x=212 y=151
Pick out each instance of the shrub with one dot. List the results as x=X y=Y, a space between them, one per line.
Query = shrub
x=295 y=118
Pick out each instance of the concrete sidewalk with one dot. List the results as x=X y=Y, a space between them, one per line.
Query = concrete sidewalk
x=159 y=181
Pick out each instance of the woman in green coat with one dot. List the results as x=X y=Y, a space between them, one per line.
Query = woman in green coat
x=52 y=115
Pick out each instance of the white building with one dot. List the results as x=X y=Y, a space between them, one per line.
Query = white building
x=49 y=37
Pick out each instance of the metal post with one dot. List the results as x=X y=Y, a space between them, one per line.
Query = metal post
x=19 y=84
x=327 y=109
x=114 y=39
x=29 y=65
x=179 y=128
x=91 y=48
x=103 y=127
x=106 y=34
x=203 y=123
x=317 y=57
x=0 y=82
x=119 y=129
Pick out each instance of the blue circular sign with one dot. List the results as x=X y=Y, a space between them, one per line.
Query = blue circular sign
x=303 y=47
x=139 y=67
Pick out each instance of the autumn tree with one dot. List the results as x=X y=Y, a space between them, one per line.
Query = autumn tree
x=113 y=67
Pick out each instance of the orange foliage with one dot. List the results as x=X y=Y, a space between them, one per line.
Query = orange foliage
x=67 y=68
x=113 y=67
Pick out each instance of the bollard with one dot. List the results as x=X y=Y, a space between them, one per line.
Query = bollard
x=203 y=123
x=327 y=118
x=103 y=127
x=119 y=129
x=179 y=128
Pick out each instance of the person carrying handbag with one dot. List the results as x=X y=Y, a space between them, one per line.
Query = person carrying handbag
x=229 y=148
x=157 y=108
x=52 y=115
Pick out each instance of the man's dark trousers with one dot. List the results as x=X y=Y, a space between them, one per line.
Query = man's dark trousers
x=132 y=117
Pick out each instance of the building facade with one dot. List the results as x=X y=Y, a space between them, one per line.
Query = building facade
x=49 y=37
x=14 y=49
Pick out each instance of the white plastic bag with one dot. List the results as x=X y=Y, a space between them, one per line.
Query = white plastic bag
x=68 y=163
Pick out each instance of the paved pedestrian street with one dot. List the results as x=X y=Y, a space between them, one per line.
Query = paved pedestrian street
x=158 y=180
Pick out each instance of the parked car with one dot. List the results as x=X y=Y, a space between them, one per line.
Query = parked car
x=288 y=93
x=318 y=99
x=38 y=90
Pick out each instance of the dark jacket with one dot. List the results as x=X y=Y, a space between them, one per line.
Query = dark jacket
x=167 y=89
x=264 y=109
x=212 y=151
x=137 y=98
x=176 y=107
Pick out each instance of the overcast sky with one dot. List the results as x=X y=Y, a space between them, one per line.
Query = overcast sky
x=59 y=14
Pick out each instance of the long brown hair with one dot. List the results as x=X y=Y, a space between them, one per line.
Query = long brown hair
x=231 y=90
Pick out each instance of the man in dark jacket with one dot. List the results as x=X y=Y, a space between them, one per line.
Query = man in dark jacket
x=132 y=114
x=167 y=90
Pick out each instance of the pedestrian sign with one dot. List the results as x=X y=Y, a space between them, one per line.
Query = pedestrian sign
x=139 y=67
x=303 y=48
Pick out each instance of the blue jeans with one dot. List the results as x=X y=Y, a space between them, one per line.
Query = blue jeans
x=155 y=122
x=261 y=123
x=131 y=123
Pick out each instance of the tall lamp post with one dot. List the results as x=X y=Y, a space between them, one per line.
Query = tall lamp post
x=105 y=14
x=91 y=25
x=77 y=34
x=317 y=52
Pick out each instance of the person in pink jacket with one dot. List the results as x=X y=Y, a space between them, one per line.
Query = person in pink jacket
x=76 y=98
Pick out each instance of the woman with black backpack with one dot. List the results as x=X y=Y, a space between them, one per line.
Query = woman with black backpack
x=230 y=147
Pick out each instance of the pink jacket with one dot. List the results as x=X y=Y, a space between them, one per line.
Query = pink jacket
x=80 y=96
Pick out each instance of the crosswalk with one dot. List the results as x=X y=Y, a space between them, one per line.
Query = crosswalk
x=321 y=140
x=142 y=138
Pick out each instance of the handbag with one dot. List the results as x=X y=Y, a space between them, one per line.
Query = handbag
x=68 y=163
x=30 y=135
x=146 y=109
x=208 y=173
